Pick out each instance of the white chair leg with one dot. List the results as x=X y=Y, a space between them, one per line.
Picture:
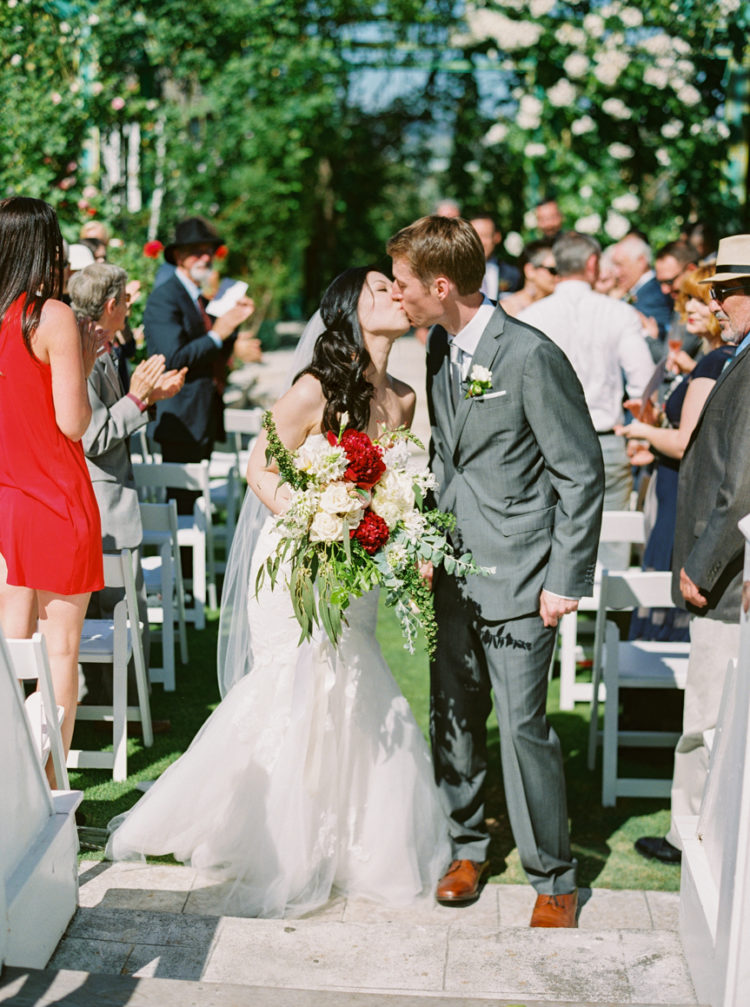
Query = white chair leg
x=167 y=626
x=568 y=638
x=199 y=583
x=611 y=718
x=120 y=700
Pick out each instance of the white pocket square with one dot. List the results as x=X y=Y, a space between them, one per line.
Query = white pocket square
x=491 y=395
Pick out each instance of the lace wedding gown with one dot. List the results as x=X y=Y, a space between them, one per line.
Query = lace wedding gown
x=311 y=777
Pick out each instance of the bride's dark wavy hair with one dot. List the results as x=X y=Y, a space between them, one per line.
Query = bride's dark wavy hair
x=340 y=359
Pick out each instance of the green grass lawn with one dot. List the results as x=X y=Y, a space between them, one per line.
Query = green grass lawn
x=602 y=837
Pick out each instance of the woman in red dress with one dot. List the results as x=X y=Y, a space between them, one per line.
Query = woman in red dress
x=50 y=535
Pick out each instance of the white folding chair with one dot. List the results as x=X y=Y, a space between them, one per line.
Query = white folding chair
x=30 y=663
x=195 y=531
x=242 y=427
x=114 y=642
x=228 y=467
x=165 y=589
x=627 y=527
x=631 y=664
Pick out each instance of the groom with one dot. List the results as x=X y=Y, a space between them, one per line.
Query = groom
x=519 y=464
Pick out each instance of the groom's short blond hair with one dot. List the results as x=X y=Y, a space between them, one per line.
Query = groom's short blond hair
x=441 y=246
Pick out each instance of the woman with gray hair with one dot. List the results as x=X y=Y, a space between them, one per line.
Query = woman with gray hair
x=98 y=292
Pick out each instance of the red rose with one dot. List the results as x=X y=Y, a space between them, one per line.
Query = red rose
x=221 y=252
x=365 y=459
x=371 y=532
x=152 y=249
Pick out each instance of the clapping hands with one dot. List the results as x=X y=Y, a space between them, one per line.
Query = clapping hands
x=150 y=382
x=93 y=342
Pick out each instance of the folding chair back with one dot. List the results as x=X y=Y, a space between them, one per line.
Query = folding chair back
x=31 y=663
x=165 y=587
x=114 y=642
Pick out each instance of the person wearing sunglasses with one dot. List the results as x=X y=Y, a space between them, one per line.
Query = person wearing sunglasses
x=713 y=494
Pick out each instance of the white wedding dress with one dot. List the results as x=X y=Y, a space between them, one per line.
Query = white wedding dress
x=310 y=779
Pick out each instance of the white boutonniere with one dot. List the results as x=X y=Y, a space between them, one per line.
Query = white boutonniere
x=480 y=381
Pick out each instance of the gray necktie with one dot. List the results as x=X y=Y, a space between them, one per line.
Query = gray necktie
x=456 y=358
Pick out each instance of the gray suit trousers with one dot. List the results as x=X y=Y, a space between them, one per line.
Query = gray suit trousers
x=474 y=659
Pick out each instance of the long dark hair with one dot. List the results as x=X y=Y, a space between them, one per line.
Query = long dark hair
x=340 y=359
x=31 y=258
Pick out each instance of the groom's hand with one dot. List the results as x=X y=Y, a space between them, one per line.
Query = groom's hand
x=552 y=607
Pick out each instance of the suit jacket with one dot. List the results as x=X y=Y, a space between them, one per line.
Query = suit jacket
x=713 y=494
x=114 y=417
x=520 y=467
x=174 y=326
x=651 y=301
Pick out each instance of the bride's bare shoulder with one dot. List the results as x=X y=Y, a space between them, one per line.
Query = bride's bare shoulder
x=407 y=399
x=307 y=390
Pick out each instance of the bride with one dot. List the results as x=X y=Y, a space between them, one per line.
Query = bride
x=311 y=778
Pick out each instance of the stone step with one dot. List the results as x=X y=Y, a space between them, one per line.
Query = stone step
x=166 y=923
x=31 y=988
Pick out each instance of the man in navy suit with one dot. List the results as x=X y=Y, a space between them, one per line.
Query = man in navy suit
x=176 y=325
x=632 y=259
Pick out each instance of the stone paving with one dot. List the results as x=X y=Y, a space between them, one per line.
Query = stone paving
x=163 y=922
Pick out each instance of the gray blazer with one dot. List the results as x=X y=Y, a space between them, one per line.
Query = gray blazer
x=713 y=494
x=114 y=417
x=520 y=467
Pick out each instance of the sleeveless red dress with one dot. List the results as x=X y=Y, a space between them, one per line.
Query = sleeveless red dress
x=50 y=532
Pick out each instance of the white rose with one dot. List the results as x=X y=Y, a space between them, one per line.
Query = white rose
x=479 y=373
x=326 y=528
x=336 y=498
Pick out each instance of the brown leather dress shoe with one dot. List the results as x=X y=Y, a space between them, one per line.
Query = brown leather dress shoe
x=462 y=882
x=555 y=910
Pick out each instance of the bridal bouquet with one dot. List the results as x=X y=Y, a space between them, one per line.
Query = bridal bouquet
x=357 y=520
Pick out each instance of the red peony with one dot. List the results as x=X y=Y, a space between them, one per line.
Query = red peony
x=152 y=249
x=221 y=252
x=366 y=463
x=371 y=532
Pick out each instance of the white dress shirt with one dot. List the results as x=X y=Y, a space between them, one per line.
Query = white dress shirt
x=603 y=339
x=463 y=345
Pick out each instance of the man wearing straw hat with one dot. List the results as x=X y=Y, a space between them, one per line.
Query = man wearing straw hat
x=713 y=495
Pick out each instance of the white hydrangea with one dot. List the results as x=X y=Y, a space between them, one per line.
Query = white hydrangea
x=686 y=67
x=508 y=32
x=322 y=460
x=631 y=17
x=696 y=129
x=495 y=134
x=672 y=129
x=538 y=8
x=593 y=25
x=535 y=150
x=728 y=7
x=655 y=77
x=576 y=65
x=590 y=224
x=586 y=192
x=561 y=94
x=568 y=34
x=616 y=226
x=659 y=44
x=617 y=108
x=513 y=243
x=583 y=125
x=529 y=112
x=620 y=151
x=414 y=523
x=423 y=479
x=529 y=220
x=609 y=66
x=689 y=95
x=396 y=555
x=723 y=130
x=662 y=156
x=681 y=47
x=628 y=202
x=16 y=59
x=397 y=455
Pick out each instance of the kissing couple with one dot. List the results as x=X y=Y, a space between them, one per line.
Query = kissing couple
x=312 y=778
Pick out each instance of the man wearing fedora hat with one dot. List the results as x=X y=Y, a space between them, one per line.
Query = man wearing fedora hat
x=176 y=325
x=713 y=495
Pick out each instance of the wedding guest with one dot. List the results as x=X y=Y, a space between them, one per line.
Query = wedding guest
x=713 y=494
x=602 y=338
x=97 y=230
x=50 y=533
x=548 y=218
x=667 y=444
x=539 y=277
x=632 y=258
x=606 y=281
x=177 y=326
x=499 y=277
x=673 y=263
x=98 y=292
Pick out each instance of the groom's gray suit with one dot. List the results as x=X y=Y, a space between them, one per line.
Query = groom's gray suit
x=521 y=468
